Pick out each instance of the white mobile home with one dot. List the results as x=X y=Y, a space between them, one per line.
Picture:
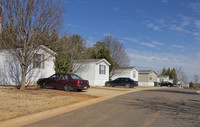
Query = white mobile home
x=96 y=71
x=129 y=72
x=164 y=78
x=42 y=66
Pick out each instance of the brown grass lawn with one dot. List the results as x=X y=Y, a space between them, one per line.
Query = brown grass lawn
x=15 y=103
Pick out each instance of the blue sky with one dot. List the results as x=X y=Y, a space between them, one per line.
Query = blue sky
x=155 y=33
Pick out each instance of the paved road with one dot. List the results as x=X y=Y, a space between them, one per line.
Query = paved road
x=169 y=107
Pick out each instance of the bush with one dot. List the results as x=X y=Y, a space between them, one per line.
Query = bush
x=191 y=84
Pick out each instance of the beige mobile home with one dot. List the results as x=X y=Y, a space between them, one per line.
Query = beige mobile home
x=147 y=78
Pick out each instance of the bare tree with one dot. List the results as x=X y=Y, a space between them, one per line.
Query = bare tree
x=181 y=74
x=23 y=24
x=118 y=53
x=196 y=79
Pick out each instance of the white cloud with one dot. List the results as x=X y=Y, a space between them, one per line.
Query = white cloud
x=122 y=41
x=196 y=33
x=185 y=20
x=157 y=43
x=148 y=44
x=164 y=1
x=157 y=61
x=178 y=46
x=181 y=23
x=151 y=25
x=117 y=9
x=178 y=28
x=152 y=44
x=131 y=39
x=197 y=23
x=195 y=7
x=91 y=37
x=76 y=26
x=198 y=54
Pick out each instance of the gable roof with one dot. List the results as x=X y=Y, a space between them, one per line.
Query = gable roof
x=45 y=48
x=147 y=72
x=129 y=68
x=39 y=47
x=97 y=61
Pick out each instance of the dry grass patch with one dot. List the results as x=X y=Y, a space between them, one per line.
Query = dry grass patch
x=15 y=103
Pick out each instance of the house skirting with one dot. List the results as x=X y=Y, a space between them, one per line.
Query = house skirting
x=97 y=82
x=145 y=83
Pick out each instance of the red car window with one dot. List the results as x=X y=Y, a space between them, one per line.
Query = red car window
x=65 y=77
x=76 y=77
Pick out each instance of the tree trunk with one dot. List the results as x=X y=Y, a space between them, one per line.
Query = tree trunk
x=23 y=78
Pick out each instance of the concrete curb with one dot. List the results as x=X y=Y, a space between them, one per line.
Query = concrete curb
x=24 y=120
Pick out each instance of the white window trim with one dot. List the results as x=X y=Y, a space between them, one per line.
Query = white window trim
x=102 y=69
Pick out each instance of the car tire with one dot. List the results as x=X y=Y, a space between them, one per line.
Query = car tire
x=79 y=90
x=67 y=88
x=127 y=86
x=42 y=85
x=108 y=85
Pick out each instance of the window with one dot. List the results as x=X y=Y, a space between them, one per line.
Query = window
x=76 y=77
x=38 y=61
x=134 y=74
x=150 y=77
x=54 y=76
x=102 y=69
x=118 y=79
x=126 y=79
x=63 y=77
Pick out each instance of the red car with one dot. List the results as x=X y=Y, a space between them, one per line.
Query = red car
x=67 y=81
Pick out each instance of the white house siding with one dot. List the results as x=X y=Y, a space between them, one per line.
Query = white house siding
x=146 y=84
x=126 y=73
x=90 y=71
x=87 y=72
x=45 y=72
x=100 y=79
x=164 y=79
x=10 y=71
x=121 y=73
